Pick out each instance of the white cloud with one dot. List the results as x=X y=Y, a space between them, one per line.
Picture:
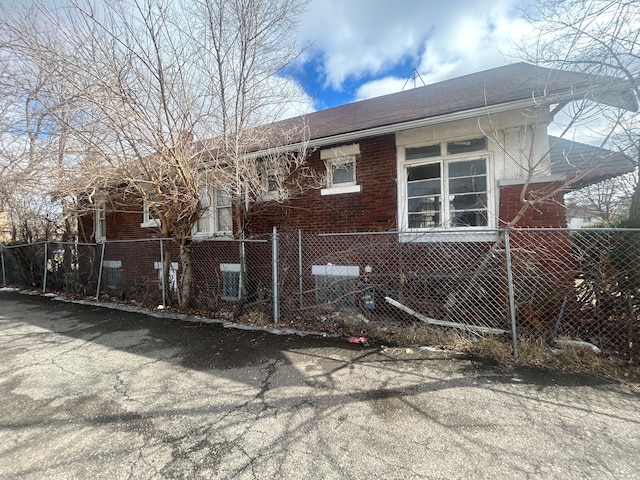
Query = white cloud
x=383 y=86
x=362 y=38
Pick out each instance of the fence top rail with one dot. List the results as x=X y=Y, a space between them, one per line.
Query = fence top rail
x=24 y=245
x=195 y=240
x=475 y=231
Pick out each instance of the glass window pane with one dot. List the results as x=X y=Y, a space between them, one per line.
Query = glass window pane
x=467 y=185
x=423 y=172
x=225 y=220
x=222 y=199
x=469 y=219
x=468 y=168
x=424 y=204
x=424 y=187
x=231 y=284
x=335 y=291
x=272 y=184
x=422 y=152
x=468 y=202
x=111 y=277
x=342 y=173
x=424 y=220
x=152 y=214
x=464 y=146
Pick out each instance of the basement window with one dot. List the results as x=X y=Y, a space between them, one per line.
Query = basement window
x=336 y=284
x=230 y=281
x=111 y=273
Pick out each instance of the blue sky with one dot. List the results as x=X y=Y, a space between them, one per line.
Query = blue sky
x=366 y=48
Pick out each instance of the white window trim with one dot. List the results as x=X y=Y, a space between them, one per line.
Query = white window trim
x=147 y=221
x=173 y=274
x=335 y=270
x=212 y=219
x=100 y=228
x=340 y=156
x=446 y=233
x=267 y=194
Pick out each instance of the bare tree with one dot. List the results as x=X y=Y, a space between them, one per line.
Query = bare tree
x=164 y=99
x=598 y=37
x=606 y=202
x=30 y=145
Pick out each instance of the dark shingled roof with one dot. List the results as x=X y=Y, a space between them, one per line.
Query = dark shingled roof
x=502 y=85
x=587 y=163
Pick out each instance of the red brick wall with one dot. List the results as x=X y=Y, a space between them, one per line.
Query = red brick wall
x=550 y=213
x=542 y=261
x=372 y=209
x=123 y=218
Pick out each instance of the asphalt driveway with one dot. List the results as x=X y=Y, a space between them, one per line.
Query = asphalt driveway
x=91 y=392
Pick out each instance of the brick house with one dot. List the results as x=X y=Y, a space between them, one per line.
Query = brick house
x=450 y=158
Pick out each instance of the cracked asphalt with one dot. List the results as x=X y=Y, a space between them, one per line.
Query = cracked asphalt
x=91 y=392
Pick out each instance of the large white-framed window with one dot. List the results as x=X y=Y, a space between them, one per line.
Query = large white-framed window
x=341 y=166
x=447 y=186
x=216 y=217
x=100 y=222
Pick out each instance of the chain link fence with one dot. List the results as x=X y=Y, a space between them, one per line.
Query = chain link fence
x=548 y=284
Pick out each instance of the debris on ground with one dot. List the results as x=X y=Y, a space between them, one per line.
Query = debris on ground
x=360 y=340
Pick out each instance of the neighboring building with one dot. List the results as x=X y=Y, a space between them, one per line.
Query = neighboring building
x=451 y=157
x=5 y=227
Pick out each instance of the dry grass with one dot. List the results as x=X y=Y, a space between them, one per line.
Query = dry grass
x=532 y=351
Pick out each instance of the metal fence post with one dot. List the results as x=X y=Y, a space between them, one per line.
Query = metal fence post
x=276 y=299
x=100 y=271
x=44 y=276
x=300 y=268
x=512 y=303
x=4 y=274
x=162 y=274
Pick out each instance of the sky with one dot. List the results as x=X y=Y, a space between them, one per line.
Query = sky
x=360 y=49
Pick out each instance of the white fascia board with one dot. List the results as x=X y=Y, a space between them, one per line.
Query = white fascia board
x=341 y=151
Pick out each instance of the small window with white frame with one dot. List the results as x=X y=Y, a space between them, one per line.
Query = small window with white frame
x=216 y=216
x=150 y=217
x=340 y=163
x=447 y=186
x=272 y=185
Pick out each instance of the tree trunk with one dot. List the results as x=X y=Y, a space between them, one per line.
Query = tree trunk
x=187 y=273
x=634 y=209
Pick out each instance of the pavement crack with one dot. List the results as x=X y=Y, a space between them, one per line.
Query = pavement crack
x=266 y=383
